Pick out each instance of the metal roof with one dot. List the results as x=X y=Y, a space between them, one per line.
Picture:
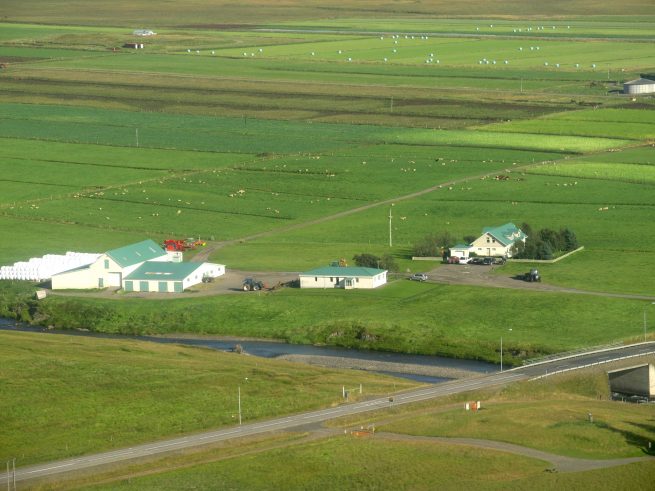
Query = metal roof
x=163 y=271
x=640 y=81
x=505 y=234
x=136 y=253
x=343 y=271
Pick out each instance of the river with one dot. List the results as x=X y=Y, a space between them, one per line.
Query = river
x=421 y=368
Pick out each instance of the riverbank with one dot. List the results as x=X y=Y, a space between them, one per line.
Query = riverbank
x=380 y=366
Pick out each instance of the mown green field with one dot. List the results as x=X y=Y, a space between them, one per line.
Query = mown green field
x=65 y=396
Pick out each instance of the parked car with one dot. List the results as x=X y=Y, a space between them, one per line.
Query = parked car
x=453 y=260
x=500 y=260
x=419 y=277
x=488 y=261
x=476 y=260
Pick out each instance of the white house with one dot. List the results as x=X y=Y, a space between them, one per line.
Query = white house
x=144 y=266
x=343 y=277
x=497 y=241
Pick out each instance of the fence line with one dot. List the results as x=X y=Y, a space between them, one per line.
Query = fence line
x=590 y=365
x=546 y=261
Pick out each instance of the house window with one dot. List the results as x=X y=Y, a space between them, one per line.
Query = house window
x=106 y=263
x=488 y=239
x=356 y=280
x=331 y=279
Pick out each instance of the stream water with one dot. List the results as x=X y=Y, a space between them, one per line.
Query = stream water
x=273 y=349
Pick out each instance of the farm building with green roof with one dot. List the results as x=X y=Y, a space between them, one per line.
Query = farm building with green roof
x=343 y=277
x=143 y=266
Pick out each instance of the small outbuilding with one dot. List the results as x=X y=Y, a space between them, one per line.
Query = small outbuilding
x=343 y=277
x=639 y=86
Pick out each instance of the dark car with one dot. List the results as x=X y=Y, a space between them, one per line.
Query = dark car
x=476 y=260
x=488 y=261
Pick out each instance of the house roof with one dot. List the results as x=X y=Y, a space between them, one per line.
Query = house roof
x=461 y=247
x=136 y=253
x=343 y=271
x=640 y=81
x=505 y=234
x=163 y=271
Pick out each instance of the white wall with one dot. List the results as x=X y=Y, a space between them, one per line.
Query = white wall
x=338 y=282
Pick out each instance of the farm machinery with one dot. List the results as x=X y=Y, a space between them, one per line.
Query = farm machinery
x=182 y=245
x=252 y=285
x=533 y=275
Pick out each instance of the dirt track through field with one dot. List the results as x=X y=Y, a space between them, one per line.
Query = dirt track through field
x=560 y=463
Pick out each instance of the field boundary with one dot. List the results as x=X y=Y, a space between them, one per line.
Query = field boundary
x=546 y=261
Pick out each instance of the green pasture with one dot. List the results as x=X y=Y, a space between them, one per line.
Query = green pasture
x=455 y=321
x=561 y=427
x=536 y=54
x=81 y=395
x=611 y=218
x=637 y=27
x=225 y=14
x=548 y=416
x=379 y=463
x=25 y=237
x=637 y=124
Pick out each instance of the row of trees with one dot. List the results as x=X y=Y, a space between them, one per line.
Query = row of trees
x=387 y=261
x=545 y=243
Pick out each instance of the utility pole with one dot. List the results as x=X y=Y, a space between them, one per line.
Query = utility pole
x=239 y=405
x=501 y=353
x=390 y=217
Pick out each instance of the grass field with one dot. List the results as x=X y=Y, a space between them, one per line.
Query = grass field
x=551 y=416
x=66 y=396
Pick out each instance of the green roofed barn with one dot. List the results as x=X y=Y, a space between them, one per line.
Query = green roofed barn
x=343 y=277
x=153 y=276
x=144 y=266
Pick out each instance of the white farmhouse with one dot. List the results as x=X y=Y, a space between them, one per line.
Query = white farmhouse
x=497 y=241
x=343 y=277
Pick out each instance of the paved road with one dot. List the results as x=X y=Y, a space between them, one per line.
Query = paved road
x=292 y=421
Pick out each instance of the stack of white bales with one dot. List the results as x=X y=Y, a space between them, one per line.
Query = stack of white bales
x=42 y=268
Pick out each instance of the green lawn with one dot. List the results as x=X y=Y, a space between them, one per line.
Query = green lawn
x=65 y=396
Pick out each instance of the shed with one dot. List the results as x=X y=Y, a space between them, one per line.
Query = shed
x=638 y=380
x=169 y=277
x=343 y=277
x=639 y=86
